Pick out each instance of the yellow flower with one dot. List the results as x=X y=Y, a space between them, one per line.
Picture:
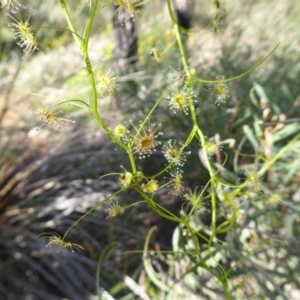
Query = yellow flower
x=254 y=180
x=174 y=154
x=125 y=178
x=139 y=176
x=47 y=117
x=58 y=242
x=230 y=202
x=179 y=102
x=122 y=133
x=105 y=82
x=211 y=147
x=220 y=90
x=145 y=140
x=150 y=187
x=114 y=210
x=24 y=32
x=176 y=181
x=196 y=199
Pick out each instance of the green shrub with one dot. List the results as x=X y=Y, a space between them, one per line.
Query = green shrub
x=203 y=136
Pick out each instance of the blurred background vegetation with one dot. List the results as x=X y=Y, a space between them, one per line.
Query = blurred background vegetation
x=50 y=178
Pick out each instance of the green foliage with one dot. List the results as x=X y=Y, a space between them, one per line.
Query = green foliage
x=226 y=149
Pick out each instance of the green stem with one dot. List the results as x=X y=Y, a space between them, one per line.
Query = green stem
x=80 y=41
x=212 y=184
x=88 y=28
x=84 y=47
x=196 y=128
x=132 y=162
x=153 y=108
x=269 y=163
x=163 y=170
x=191 y=136
x=70 y=23
x=225 y=288
x=187 y=71
x=241 y=75
x=230 y=224
x=157 y=208
x=174 y=21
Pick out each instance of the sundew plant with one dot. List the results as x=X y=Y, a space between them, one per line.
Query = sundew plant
x=238 y=179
